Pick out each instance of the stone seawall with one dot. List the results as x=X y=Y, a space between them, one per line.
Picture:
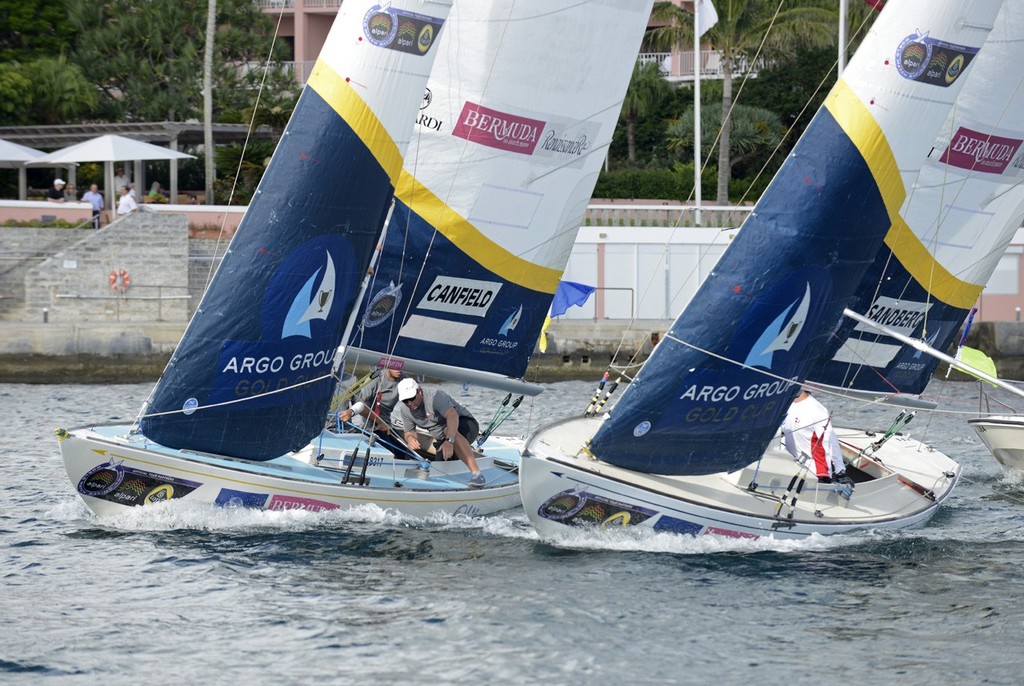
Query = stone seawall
x=124 y=352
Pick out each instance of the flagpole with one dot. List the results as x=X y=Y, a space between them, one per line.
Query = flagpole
x=843 y=11
x=696 y=111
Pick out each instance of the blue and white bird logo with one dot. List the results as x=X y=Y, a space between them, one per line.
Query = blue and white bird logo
x=313 y=301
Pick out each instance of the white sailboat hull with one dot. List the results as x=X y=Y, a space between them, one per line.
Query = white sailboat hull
x=113 y=471
x=1004 y=437
x=900 y=485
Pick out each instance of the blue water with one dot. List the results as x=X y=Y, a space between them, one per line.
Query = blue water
x=187 y=594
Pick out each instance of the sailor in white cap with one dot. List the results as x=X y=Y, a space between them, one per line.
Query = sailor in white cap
x=451 y=425
x=56 y=192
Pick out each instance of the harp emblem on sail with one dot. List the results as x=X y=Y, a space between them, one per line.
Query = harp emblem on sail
x=311 y=303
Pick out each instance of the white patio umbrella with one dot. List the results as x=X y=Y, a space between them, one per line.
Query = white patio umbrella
x=14 y=156
x=109 y=149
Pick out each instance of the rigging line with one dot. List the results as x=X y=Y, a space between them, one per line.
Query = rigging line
x=245 y=143
x=240 y=400
x=803 y=111
x=743 y=82
x=818 y=389
x=702 y=253
x=220 y=234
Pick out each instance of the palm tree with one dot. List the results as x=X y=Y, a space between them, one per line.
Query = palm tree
x=61 y=93
x=743 y=25
x=646 y=89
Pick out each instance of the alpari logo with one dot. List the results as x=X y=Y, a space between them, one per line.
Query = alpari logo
x=311 y=302
x=781 y=334
x=382 y=305
x=924 y=59
x=102 y=479
x=401 y=30
x=380 y=26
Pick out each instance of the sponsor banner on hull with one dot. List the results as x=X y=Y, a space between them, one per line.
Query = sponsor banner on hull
x=115 y=482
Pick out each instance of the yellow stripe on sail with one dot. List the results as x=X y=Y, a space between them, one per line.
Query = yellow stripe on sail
x=863 y=131
x=344 y=100
x=471 y=241
x=927 y=271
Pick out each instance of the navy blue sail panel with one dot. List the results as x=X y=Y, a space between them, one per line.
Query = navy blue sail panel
x=703 y=402
x=451 y=311
x=861 y=358
x=275 y=313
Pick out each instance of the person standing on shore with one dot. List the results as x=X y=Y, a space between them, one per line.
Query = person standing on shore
x=55 y=193
x=126 y=204
x=94 y=198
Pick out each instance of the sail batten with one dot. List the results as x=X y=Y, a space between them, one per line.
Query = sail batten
x=251 y=377
x=769 y=309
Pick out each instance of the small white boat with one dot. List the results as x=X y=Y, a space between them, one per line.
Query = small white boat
x=899 y=484
x=1003 y=435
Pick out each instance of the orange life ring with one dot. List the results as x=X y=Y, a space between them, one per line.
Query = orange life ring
x=119 y=280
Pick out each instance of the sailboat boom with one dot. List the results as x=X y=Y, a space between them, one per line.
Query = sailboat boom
x=929 y=350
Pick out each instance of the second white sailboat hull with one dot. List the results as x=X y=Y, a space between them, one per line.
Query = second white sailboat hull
x=900 y=485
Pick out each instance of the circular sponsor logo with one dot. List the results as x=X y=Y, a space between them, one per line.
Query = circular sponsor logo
x=159 y=494
x=382 y=305
x=956 y=67
x=189 y=406
x=425 y=39
x=641 y=428
x=912 y=56
x=101 y=480
x=380 y=26
x=562 y=505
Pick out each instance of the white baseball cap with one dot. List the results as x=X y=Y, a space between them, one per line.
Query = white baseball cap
x=407 y=389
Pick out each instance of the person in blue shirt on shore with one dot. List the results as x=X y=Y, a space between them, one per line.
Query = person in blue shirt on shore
x=94 y=198
x=452 y=426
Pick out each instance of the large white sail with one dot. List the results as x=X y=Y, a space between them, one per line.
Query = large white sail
x=513 y=130
x=958 y=217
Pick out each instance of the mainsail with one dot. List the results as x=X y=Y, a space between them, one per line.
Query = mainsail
x=251 y=377
x=715 y=389
x=960 y=215
x=513 y=130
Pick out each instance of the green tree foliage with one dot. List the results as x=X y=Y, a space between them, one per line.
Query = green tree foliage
x=15 y=94
x=30 y=29
x=146 y=57
x=646 y=89
x=61 y=93
x=756 y=131
x=743 y=27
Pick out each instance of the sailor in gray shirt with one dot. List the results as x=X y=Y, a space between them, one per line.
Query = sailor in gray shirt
x=451 y=424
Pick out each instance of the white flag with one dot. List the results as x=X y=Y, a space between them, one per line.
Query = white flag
x=706 y=16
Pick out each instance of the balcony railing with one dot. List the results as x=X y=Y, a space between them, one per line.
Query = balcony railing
x=679 y=66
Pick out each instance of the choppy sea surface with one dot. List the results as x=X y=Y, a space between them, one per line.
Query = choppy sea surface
x=188 y=594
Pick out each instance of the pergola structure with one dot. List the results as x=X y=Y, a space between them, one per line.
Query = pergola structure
x=175 y=135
